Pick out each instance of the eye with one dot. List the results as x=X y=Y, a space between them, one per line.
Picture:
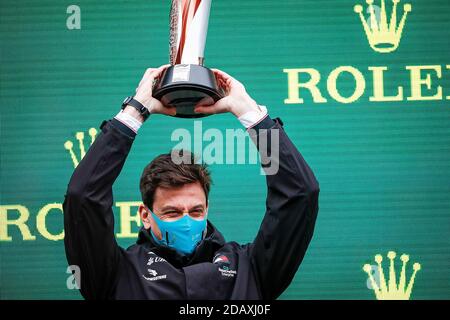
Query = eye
x=171 y=214
x=197 y=212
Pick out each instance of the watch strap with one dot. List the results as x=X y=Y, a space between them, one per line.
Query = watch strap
x=130 y=101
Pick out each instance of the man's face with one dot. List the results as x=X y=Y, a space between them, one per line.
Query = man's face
x=171 y=204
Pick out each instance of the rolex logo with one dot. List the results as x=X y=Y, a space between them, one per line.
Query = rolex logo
x=391 y=290
x=383 y=37
x=68 y=145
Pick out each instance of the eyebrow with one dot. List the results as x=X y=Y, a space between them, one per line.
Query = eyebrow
x=166 y=208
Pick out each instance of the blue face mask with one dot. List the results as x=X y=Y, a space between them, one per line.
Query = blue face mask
x=183 y=234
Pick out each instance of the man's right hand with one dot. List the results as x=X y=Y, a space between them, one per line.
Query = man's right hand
x=144 y=95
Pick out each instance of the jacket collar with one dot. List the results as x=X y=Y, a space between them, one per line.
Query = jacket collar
x=204 y=252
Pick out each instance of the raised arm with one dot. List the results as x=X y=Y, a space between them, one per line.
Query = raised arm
x=291 y=211
x=88 y=217
x=292 y=199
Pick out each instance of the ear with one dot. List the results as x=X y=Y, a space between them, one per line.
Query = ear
x=145 y=215
x=147 y=220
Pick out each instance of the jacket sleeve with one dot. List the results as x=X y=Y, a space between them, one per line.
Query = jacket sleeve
x=88 y=217
x=291 y=211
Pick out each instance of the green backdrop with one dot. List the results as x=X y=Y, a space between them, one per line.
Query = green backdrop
x=383 y=166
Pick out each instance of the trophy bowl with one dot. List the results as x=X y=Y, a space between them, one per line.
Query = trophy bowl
x=183 y=86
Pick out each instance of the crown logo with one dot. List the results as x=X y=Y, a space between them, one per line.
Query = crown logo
x=68 y=145
x=383 y=37
x=391 y=291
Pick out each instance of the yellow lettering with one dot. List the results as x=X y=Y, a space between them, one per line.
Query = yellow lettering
x=126 y=218
x=294 y=85
x=448 y=67
x=20 y=222
x=40 y=222
x=378 y=86
x=417 y=82
x=359 y=89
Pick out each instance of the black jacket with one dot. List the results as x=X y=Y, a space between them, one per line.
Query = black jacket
x=218 y=269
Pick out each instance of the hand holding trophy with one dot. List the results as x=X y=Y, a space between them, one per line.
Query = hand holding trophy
x=187 y=82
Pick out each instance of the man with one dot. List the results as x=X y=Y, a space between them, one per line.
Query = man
x=179 y=253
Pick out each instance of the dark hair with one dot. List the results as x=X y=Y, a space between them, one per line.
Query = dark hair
x=164 y=172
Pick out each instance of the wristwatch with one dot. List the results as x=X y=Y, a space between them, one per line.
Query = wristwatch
x=130 y=101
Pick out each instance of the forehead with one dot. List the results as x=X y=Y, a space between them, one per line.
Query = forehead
x=187 y=195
